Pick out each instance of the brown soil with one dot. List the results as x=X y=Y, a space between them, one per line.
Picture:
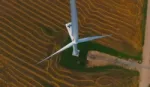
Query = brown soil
x=23 y=43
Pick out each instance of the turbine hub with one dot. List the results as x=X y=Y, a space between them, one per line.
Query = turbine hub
x=74 y=42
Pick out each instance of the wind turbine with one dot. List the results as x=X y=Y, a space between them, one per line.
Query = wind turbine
x=72 y=28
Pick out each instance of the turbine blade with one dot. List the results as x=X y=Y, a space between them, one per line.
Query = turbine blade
x=91 y=38
x=74 y=19
x=62 y=49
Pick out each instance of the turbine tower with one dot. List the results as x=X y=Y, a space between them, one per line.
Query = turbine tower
x=72 y=28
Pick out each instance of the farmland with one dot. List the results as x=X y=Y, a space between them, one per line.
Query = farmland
x=31 y=30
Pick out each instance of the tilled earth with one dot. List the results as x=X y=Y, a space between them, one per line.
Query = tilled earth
x=23 y=42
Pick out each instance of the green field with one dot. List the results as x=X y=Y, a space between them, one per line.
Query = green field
x=144 y=19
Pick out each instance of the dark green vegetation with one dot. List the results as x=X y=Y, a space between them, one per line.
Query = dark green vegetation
x=69 y=61
x=79 y=63
x=144 y=19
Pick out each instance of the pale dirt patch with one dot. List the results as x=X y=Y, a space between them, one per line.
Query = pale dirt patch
x=96 y=58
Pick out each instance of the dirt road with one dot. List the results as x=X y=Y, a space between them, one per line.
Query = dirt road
x=96 y=58
x=145 y=73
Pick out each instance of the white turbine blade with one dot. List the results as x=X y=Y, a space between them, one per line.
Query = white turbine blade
x=91 y=38
x=62 y=49
x=74 y=19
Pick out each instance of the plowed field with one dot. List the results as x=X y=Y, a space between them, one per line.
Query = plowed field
x=23 y=43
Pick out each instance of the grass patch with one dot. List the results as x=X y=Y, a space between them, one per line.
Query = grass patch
x=144 y=19
x=69 y=61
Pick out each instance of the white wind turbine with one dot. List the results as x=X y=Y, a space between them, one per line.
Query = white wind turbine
x=72 y=28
